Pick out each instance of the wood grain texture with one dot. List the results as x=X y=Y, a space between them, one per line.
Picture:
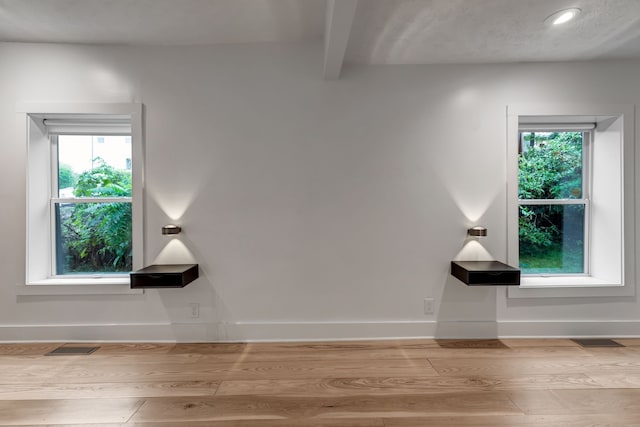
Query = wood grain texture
x=612 y=352
x=39 y=412
x=214 y=371
x=538 y=343
x=464 y=366
x=126 y=348
x=607 y=401
x=629 y=342
x=323 y=384
x=27 y=349
x=517 y=421
x=275 y=407
x=319 y=346
x=296 y=422
x=315 y=351
x=101 y=359
x=404 y=385
x=107 y=390
x=33 y=373
x=616 y=380
x=511 y=353
x=539 y=402
x=209 y=348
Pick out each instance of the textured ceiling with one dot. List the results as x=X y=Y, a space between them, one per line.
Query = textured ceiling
x=461 y=31
x=161 y=22
x=382 y=32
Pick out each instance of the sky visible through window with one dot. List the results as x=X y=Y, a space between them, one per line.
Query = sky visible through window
x=79 y=152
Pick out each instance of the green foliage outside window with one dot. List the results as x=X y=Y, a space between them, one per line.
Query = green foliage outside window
x=96 y=237
x=550 y=167
x=66 y=177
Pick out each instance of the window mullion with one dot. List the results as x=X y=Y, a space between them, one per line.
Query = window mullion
x=78 y=200
x=525 y=202
x=54 y=166
x=587 y=182
x=53 y=192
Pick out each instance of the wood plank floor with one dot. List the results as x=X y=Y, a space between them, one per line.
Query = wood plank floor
x=329 y=384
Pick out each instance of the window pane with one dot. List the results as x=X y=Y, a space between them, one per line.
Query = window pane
x=552 y=239
x=550 y=165
x=94 y=166
x=93 y=238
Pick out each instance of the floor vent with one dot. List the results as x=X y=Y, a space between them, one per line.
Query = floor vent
x=72 y=351
x=597 y=342
x=470 y=343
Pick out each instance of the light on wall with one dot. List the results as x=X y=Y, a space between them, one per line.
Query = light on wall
x=477 y=231
x=171 y=229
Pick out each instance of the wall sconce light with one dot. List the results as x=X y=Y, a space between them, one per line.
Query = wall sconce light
x=477 y=231
x=171 y=229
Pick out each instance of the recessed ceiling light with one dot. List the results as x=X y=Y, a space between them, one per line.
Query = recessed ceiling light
x=562 y=16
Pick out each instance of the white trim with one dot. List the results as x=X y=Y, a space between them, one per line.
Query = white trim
x=570 y=329
x=558 y=287
x=337 y=29
x=300 y=331
x=137 y=185
x=118 y=279
x=79 y=286
x=247 y=331
x=534 y=202
x=91 y=200
x=566 y=287
x=586 y=179
x=316 y=331
x=587 y=187
x=557 y=127
x=119 y=110
x=570 y=280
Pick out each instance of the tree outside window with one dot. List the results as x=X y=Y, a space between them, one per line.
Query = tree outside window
x=93 y=211
x=551 y=192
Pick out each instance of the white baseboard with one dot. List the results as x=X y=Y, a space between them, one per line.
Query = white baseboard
x=570 y=329
x=139 y=332
x=315 y=331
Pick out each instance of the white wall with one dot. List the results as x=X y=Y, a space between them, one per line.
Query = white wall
x=316 y=209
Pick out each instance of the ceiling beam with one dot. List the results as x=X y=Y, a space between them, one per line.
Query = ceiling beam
x=338 y=24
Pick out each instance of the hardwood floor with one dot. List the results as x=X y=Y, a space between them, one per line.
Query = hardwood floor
x=333 y=384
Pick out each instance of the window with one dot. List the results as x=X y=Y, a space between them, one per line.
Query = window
x=84 y=224
x=90 y=204
x=570 y=220
x=553 y=198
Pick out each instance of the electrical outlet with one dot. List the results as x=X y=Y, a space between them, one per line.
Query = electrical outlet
x=428 y=306
x=195 y=309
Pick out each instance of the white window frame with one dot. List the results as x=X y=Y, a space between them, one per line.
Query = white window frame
x=587 y=132
x=620 y=280
x=39 y=247
x=56 y=199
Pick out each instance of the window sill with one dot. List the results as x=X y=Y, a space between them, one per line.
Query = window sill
x=79 y=286
x=561 y=282
x=567 y=287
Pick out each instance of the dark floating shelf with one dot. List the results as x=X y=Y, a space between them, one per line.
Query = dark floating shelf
x=485 y=273
x=164 y=276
